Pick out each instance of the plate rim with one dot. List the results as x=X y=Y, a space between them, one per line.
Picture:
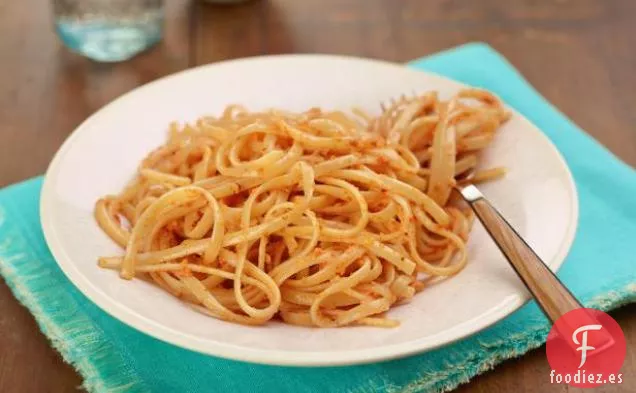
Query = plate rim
x=268 y=356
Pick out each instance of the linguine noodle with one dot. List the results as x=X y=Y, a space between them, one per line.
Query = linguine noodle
x=317 y=218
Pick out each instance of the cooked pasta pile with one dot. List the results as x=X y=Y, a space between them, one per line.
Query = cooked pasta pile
x=317 y=218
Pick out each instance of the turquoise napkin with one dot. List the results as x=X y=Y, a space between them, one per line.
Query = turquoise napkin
x=113 y=357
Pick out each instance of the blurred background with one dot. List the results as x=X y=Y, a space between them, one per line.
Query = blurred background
x=580 y=54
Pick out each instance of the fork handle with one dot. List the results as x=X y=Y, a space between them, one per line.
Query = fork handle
x=551 y=295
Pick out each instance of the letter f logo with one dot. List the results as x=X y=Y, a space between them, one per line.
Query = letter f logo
x=583 y=344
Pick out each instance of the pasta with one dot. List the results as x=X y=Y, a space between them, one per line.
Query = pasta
x=318 y=218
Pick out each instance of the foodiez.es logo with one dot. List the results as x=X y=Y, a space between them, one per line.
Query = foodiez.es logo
x=586 y=348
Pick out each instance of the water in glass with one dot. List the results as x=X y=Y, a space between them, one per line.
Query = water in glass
x=109 y=30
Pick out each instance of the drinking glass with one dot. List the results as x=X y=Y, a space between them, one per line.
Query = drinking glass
x=109 y=30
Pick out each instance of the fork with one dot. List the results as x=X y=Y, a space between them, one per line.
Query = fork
x=551 y=294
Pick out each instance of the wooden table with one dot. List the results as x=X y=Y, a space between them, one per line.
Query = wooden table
x=579 y=53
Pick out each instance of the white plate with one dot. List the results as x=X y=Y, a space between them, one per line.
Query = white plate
x=538 y=197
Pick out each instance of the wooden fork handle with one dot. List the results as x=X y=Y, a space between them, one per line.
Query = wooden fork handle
x=551 y=295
